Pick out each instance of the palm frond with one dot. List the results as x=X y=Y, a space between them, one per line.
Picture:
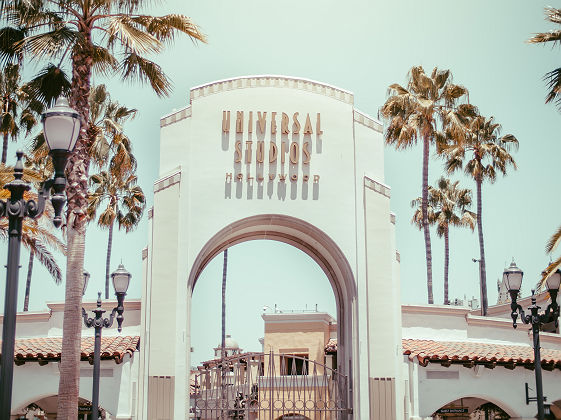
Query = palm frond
x=165 y=27
x=137 y=68
x=553 y=241
x=50 y=83
x=124 y=29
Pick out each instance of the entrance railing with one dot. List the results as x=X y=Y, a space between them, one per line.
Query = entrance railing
x=269 y=386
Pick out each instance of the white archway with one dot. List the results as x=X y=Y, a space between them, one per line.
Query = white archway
x=281 y=158
x=311 y=240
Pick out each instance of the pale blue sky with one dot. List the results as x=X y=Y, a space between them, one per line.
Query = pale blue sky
x=363 y=47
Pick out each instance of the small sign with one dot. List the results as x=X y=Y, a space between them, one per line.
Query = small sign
x=455 y=410
x=85 y=409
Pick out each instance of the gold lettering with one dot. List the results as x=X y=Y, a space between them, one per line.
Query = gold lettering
x=294 y=177
x=239 y=176
x=318 y=126
x=308 y=125
x=294 y=152
x=248 y=151
x=272 y=152
x=296 y=126
x=225 y=121
x=249 y=178
x=260 y=178
x=284 y=124
x=238 y=152
x=273 y=123
x=282 y=177
x=261 y=119
x=306 y=153
x=316 y=178
x=229 y=176
x=250 y=123
x=305 y=178
x=239 y=122
x=271 y=177
x=260 y=153
x=283 y=151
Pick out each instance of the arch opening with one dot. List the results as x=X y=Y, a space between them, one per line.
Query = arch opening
x=313 y=242
x=474 y=408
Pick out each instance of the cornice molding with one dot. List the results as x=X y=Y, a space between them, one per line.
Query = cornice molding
x=23 y=317
x=167 y=181
x=367 y=121
x=378 y=187
x=274 y=81
x=175 y=116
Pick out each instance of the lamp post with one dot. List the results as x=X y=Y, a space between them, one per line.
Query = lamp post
x=121 y=279
x=513 y=278
x=61 y=125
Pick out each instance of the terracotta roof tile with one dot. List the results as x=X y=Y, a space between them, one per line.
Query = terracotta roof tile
x=468 y=353
x=47 y=349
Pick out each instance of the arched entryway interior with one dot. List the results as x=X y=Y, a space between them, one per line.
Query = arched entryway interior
x=472 y=408
x=45 y=408
x=311 y=241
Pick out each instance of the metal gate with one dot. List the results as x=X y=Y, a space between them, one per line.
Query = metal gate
x=269 y=387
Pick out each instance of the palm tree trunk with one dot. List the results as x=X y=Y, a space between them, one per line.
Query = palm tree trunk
x=224 y=269
x=446 y=262
x=223 y=345
x=5 y=148
x=28 y=282
x=482 y=272
x=108 y=260
x=424 y=210
x=76 y=192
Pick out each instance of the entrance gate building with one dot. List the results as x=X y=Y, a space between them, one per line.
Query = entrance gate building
x=287 y=159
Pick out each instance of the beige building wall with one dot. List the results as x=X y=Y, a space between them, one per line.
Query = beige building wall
x=298 y=334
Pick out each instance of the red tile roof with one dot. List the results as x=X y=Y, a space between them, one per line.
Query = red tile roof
x=472 y=353
x=48 y=349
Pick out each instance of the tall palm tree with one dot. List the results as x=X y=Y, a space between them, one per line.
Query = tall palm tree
x=427 y=106
x=111 y=151
x=553 y=78
x=487 y=154
x=110 y=37
x=123 y=202
x=448 y=206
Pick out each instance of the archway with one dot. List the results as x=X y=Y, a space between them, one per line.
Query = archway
x=45 y=408
x=472 y=408
x=281 y=158
x=311 y=240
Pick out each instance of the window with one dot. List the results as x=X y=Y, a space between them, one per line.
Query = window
x=294 y=364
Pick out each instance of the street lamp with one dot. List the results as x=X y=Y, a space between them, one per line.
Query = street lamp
x=121 y=279
x=513 y=279
x=61 y=125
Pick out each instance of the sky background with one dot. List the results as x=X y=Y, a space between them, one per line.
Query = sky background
x=361 y=46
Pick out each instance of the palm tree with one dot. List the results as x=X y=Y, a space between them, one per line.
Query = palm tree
x=125 y=203
x=110 y=37
x=447 y=207
x=423 y=110
x=488 y=154
x=553 y=78
x=111 y=148
x=552 y=244
x=13 y=103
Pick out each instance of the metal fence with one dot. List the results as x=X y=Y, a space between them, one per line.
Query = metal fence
x=269 y=386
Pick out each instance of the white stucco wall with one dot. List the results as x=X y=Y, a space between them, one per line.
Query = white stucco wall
x=192 y=207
